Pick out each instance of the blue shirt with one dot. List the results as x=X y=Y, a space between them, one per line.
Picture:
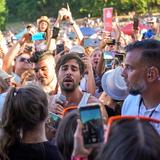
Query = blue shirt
x=133 y=106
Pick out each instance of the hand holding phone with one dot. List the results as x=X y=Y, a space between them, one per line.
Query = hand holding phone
x=78 y=148
x=59 y=48
x=91 y=118
x=53 y=120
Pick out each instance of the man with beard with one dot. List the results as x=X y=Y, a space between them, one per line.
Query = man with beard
x=69 y=70
x=142 y=76
x=45 y=73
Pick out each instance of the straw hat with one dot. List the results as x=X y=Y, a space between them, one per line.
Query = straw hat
x=43 y=18
x=114 y=85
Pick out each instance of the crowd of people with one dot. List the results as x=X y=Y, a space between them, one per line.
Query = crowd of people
x=51 y=71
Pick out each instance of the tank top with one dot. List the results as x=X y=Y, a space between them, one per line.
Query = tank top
x=84 y=99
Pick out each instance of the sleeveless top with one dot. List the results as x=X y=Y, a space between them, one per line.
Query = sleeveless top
x=84 y=99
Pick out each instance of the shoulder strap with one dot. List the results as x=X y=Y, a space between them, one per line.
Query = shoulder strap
x=84 y=99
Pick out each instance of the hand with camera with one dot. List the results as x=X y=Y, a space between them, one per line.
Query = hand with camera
x=79 y=150
x=25 y=39
x=61 y=14
x=105 y=37
x=88 y=63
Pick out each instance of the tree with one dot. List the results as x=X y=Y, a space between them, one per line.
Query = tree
x=3 y=13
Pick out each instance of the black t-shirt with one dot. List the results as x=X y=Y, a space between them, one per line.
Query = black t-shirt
x=36 y=151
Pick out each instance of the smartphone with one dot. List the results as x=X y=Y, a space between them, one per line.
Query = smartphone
x=91 y=119
x=81 y=55
x=38 y=36
x=120 y=57
x=111 y=42
x=53 y=120
x=59 y=48
x=55 y=32
x=91 y=42
x=135 y=23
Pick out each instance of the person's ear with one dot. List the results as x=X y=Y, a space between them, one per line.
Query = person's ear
x=152 y=73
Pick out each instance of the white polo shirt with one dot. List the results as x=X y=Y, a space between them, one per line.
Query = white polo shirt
x=133 y=106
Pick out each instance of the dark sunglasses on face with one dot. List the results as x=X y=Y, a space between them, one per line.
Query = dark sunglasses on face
x=22 y=59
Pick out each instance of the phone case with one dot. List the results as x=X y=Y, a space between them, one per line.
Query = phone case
x=91 y=119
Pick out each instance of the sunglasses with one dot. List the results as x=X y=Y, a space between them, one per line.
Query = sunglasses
x=115 y=119
x=22 y=59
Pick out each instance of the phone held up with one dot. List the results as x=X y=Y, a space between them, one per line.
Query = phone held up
x=60 y=48
x=38 y=36
x=53 y=120
x=91 y=118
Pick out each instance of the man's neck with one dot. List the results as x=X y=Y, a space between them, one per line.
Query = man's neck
x=151 y=99
x=18 y=73
x=73 y=97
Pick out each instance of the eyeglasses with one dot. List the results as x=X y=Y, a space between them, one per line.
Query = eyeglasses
x=22 y=59
x=113 y=119
x=69 y=109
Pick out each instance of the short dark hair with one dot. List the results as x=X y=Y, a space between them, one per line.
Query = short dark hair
x=65 y=58
x=41 y=55
x=151 y=57
x=145 y=44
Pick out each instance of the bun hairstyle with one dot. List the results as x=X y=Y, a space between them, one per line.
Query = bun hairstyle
x=24 y=109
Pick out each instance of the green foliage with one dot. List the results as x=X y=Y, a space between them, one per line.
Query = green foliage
x=3 y=12
x=32 y=9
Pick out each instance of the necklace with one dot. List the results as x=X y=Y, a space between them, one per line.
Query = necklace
x=139 y=107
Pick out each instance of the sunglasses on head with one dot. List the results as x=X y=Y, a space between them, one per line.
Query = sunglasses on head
x=122 y=119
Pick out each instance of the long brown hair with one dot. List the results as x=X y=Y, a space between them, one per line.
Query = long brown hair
x=24 y=109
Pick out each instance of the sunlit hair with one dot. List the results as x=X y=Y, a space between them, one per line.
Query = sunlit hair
x=27 y=76
x=24 y=109
x=3 y=85
x=48 y=30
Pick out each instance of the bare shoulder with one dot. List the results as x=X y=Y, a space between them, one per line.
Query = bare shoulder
x=93 y=99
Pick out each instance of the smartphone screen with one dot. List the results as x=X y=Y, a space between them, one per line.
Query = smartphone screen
x=91 y=119
x=91 y=42
x=38 y=36
x=59 y=48
x=53 y=120
x=108 y=58
x=120 y=57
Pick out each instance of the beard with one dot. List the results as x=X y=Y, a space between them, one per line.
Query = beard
x=137 y=89
x=68 y=88
x=134 y=92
